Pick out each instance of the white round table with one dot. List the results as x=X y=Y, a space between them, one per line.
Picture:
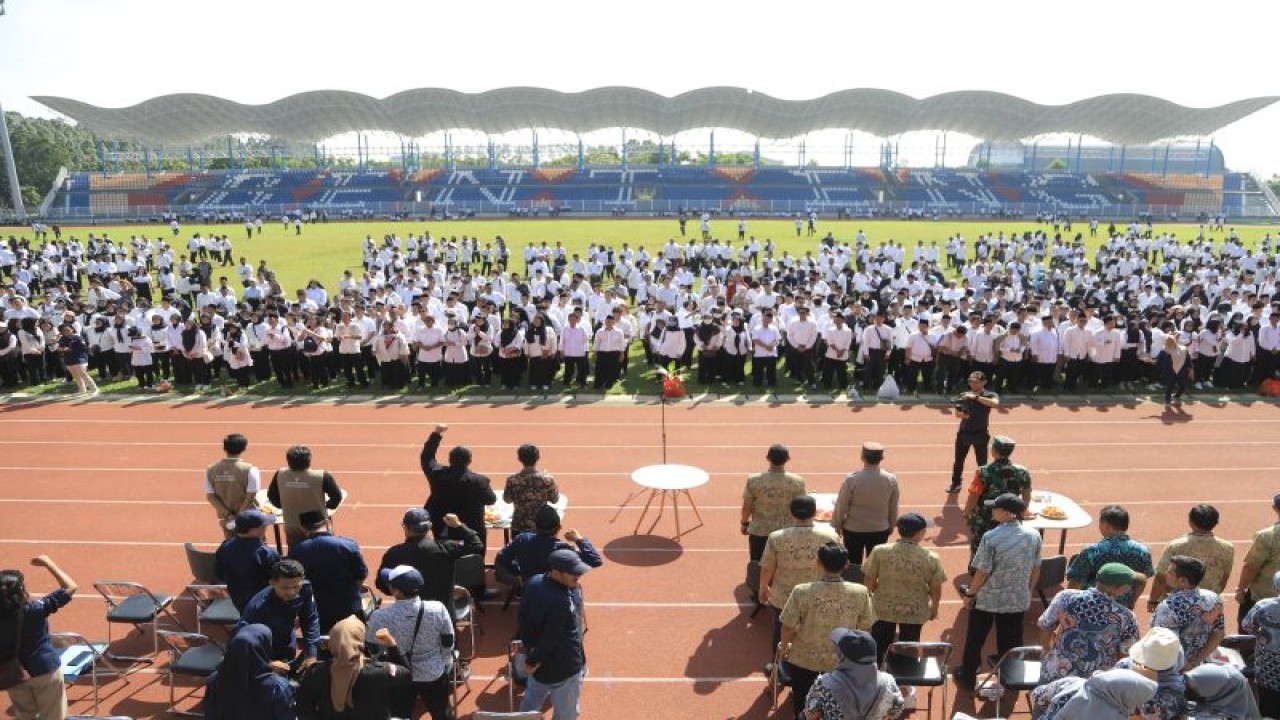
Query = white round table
x=664 y=481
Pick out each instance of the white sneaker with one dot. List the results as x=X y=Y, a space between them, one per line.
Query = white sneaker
x=94 y=392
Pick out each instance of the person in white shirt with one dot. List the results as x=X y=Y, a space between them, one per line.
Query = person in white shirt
x=764 y=359
x=669 y=343
x=140 y=351
x=838 y=341
x=919 y=358
x=391 y=350
x=1011 y=354
x=540 y=347
x=1237 y=359
x=350 y=358
x=1204 y=351
x=802 y=336
x=610 y=344
x=575 y=338
x=429 y=340
x=1105 y=352
x=1046 y=349
x=877 y=341
x=1268 y=355
x=1077 y=342
x=316 y=345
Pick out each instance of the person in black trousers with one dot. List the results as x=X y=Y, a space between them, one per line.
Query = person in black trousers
x=353 y=686
x=974 y=409
x=456 y=490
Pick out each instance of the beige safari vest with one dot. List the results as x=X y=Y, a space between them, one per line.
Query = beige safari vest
x=300 y=492
x=229 y=478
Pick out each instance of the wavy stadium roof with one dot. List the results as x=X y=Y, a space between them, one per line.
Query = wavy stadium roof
x=313 y=116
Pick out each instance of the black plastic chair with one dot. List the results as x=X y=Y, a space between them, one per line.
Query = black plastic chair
x=203 y=565
x=853 y=573
x=1019 y=671
x=1053 y=573
x=920 y=664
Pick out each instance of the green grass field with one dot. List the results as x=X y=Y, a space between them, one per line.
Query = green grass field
x=324 y=250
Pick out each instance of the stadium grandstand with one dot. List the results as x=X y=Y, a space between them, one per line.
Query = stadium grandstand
x=1146 y=157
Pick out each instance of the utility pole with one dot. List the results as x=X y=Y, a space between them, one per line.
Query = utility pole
x=11 y=168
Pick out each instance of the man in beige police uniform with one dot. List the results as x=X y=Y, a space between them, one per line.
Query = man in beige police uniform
x=231 y=484
x=867 y=506
x=766 y=500
x=297 y=489
x=1261 y=563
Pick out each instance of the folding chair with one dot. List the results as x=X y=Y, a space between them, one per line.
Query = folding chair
x=468 y=572
x=920 y=664
x=778 y=678
x=463 y=607
x=369 y=600
x=133 y=603
x=79 y=657
x=753 y=586
x=203 y=564
x=1019 y=672
x=190 y=654
x=515 y=586
x=213 y=606
x=515 y=672
x=1053 y=573
x=853 y=573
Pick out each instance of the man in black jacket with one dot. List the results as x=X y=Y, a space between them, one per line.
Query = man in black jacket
x=550 y=627
x=433 y=558
x=456 y=490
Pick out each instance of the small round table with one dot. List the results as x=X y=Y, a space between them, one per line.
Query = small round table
x=669 y=480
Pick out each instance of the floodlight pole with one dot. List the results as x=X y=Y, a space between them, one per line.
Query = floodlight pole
x=11 y=168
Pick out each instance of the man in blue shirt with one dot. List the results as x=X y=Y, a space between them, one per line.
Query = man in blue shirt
x=335 y=568
x=550 y=622
x=288 y=602
x=244 y=562
x=528 y=554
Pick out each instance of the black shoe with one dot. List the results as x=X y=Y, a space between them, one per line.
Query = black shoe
x=962 y=680
x=953 y=488
x=490 y=594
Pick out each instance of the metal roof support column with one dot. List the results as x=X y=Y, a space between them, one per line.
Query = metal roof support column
x=755 y=156
x=1035 y=146
x=191 y=159
x=582 y=155
x=146 y=161
x=1164 y=171
x=1122 y=152
x=1208 y=159
x=536 y=158
x=115 y=156
x=711 y=158
x=11 y=168
x=493 y=155
x=316 y=149
x=625 y=154
x=1079 y=151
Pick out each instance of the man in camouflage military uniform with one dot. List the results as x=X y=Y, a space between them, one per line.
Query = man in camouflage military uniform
x=990 y=482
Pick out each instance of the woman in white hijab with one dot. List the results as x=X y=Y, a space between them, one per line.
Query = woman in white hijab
x=1221 y=693
x=855 y=689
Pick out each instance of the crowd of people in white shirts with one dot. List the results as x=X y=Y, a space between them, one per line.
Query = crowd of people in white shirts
x=1036 y=311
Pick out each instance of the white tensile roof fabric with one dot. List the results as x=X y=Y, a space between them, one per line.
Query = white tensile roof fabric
x=314 y=116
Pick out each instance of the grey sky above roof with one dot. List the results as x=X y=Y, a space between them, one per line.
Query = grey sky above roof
x=314 y=116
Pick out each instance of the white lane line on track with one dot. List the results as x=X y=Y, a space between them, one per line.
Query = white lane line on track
x=36 y=470
x=632 y=445
x=1154 y=421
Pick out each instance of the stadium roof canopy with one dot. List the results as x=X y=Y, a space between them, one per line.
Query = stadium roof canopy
x=312 y=116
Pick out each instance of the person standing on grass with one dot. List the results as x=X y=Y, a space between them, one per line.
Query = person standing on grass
x=24 y=636
x=75 y=358
x=231 y=484
x=867 y=505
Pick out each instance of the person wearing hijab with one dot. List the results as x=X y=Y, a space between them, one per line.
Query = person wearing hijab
x=353 y=686
x=855 y=689
x=195 y=345
x=510 y=362
x=245 y=687
x=1173 y=367
x=1108 y=695
x=1221 y=692
x=540 y=346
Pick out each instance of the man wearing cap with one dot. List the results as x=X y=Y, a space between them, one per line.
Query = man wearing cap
x=423 y=629
x=867 y=505
x=230 y=484
x=455 y=489
x=905 y=581
x=766 y=500
x=1261 y=563
x=297 y=489
x=1006 y=567
x=856 y=688
x=1197 y=615
x=527 y=555
x=1115 y=546
x=812 y=612
x=992 y=480
x=433 y=558
x=335 y=568
x=789 y=555
x=243 y=563
x=1083 y=631
x=974 y=410
x=550 y=630
x=1263 y=622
